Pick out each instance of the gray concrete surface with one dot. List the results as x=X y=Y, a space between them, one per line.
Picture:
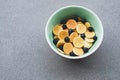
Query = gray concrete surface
x=25 y=54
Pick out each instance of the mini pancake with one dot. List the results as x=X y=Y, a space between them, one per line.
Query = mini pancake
x=73 y=35
x=80 y=22
x=71 y=24
x=87 y=24
x=67 y=48
x=81 y=28
x=78 y=42
x=87 y=44
x=60 y=42
x=89 y=39
x=89 y=34
x=78 y=51
x=62 y=34
x=57 y=29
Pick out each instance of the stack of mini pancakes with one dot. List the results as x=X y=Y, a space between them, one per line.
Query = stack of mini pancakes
x=74 y=37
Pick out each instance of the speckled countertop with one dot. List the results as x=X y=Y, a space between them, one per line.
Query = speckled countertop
x=25 y=54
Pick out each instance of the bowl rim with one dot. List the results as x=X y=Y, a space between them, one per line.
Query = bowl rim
x=76 y=57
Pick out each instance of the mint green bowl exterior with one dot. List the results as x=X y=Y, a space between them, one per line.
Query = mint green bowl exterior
x=68 y=11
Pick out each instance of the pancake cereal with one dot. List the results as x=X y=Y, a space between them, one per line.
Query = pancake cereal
x=74 y=36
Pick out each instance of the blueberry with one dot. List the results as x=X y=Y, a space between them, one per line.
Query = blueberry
x=83 y=20
x=55 y=41
x=63 y=21
x=61 y=47
x=64 y=26
x=95 y=38
x=66 y=39
x=82 y=36
x=72 y=54
x=90 y=29
x=70 y=31
x=85 y=49
x=75 y=18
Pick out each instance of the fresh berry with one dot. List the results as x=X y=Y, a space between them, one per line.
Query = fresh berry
x=82 y=36
x=70 y=31
x=95 y=38
x=72 y=54
x=85 y=49
x=61 y=47
x=55 y=41
x=75 y=18
x=90 y=29
x=63 y=22
x=64 y=26
x=66 y=39
x=83 y=20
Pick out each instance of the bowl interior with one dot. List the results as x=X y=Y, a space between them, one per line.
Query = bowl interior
x=81 y=12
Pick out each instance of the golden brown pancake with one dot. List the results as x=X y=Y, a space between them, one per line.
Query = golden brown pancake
x=87 y=44
x=71 y=24
x=78 y=42
x=78 y=51
x=60 y=42
x=81 y=28
x=89 y=39
x=67 y=48
x=89 y=34
x=87 y=24
x=57 y=29
x=62 y=34
x=73 y=35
